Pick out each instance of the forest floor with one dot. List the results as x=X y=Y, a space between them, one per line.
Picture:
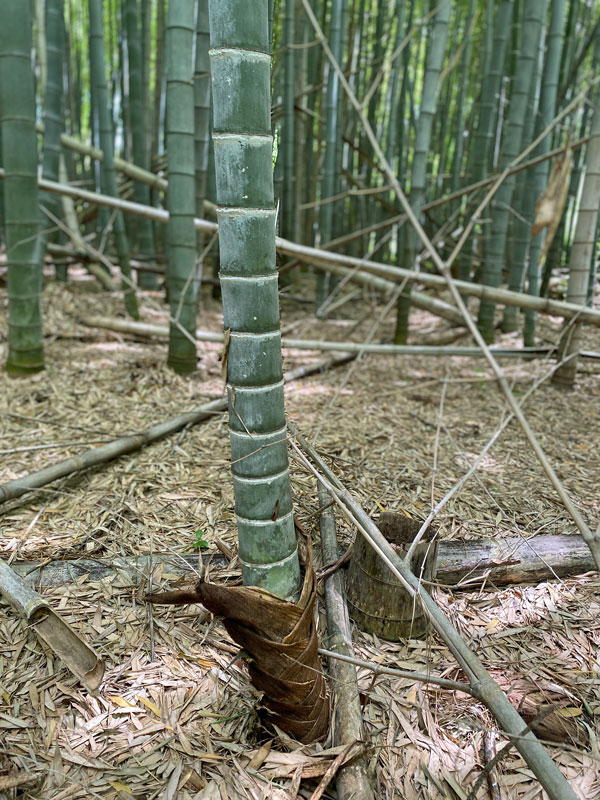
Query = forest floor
x=174 y=719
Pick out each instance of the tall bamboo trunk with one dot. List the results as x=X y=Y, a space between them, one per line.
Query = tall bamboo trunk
x=582 y=251
x=433 y=67
x=53 y=122
x=21 y=212
x=240 y=71
x=181 y=235
x=108 y=177
x=495 y=251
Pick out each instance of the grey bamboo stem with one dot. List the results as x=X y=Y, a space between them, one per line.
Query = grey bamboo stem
x=483 y=686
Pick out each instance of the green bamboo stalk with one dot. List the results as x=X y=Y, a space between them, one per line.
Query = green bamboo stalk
x=201 y=116
x=582 y=251
x=491 y=272
x=546 y=111
x=315 y=71
x=433 y=67
x=395 y=86
x=158 y=80
x=287 y=144
x=240 y=67
x=108 y=175
x=330 y=173
x=442 y=144
x=557 y=256
x=461 y=98
x=19 y=157
x=480 y=154
x=181 y=268
x=53 y=120
x=519 y=232
x=137 y=109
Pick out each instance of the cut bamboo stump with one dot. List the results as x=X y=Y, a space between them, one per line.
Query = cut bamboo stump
x=377 y=601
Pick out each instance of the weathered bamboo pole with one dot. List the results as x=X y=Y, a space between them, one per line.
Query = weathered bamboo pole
x=148 y=329
x=326 y=260
x=352 y=780
x=129 y=444
x=462 y=563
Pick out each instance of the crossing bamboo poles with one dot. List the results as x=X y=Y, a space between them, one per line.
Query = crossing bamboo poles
x=325 y=259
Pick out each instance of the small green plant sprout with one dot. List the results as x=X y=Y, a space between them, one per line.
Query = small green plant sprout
x=199 y=540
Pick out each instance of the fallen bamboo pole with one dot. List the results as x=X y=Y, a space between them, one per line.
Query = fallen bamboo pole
x=325 y=260
x=462 y=564
x=148 y=329
x=107 y=452
x=129 y=444
x=483 y=686
x=126 y=167
x=352 y=780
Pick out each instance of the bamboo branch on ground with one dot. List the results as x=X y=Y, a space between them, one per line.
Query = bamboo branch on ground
x=483 y=686
x=352 y=781
x=129 y=444
x=148 y=329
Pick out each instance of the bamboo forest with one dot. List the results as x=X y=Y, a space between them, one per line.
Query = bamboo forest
x=300 y=430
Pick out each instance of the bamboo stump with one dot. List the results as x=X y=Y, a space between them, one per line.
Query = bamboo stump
x=377 y=601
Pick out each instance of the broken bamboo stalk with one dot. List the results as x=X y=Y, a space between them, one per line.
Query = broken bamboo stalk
x=483 y=686
x=352 y=780
x=52 y=629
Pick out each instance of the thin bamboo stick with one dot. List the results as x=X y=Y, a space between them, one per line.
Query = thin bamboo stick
x=147 y=329
x=352 y=780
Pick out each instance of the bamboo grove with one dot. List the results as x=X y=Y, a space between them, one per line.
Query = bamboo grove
x=455 y=93
x=313 y=124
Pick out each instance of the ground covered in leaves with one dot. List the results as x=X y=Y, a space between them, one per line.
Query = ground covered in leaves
x=175 y=718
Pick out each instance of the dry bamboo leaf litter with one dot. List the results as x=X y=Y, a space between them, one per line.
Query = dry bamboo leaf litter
x=184 y=723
